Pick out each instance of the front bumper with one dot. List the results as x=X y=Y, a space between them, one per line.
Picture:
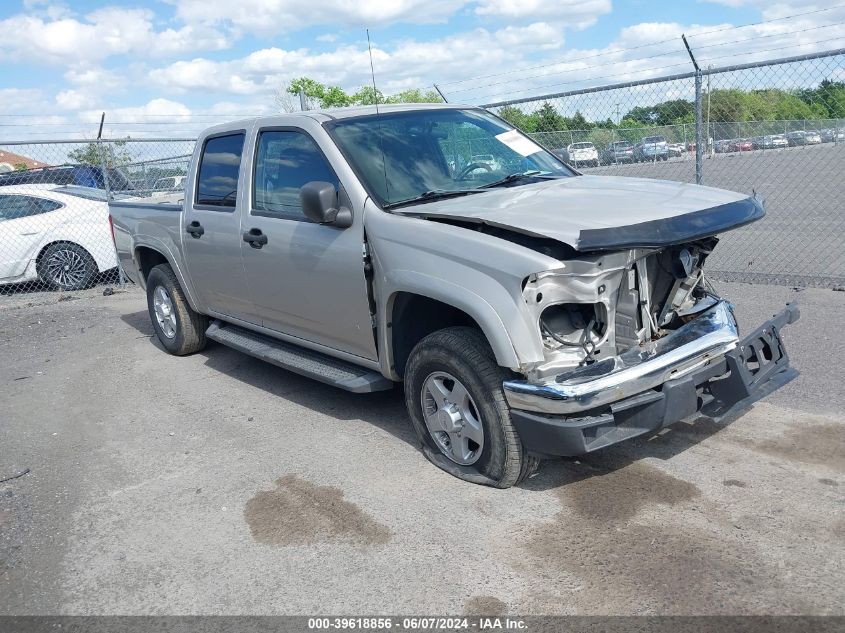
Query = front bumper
x=701 y=367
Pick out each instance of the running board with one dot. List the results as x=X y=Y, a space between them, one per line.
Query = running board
x=299 y=360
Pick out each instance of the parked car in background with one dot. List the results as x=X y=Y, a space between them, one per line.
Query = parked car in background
x=562 y=153
x=743 y=145
x=57 y=234
x=676 y=149
x=723 y=146
x=617 y=152
x=770 y=141
x=170 y=183
x=583 y=154
x=651 y=148
x=830 y=135
x=530 y=313
x=812 y=137
x=796 y=138
x=78 y=175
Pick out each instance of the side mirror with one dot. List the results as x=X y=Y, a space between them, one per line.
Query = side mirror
x=320 y=204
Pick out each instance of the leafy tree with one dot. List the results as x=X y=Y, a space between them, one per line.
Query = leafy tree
x=415 y=95
x=671 y=112
x=549 y=119
x=518 y=119
x=20 y=167
x=368 y=95
x=317 y=93
x=112 y=153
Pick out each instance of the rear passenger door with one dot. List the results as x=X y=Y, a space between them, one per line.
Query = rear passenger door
x=307 y=280
x=211 y=235
x=23 y=224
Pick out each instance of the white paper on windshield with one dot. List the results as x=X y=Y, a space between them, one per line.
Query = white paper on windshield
x=518 y=143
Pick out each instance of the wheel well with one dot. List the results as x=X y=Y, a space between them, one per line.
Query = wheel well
x=414 y=317
x=148 y=259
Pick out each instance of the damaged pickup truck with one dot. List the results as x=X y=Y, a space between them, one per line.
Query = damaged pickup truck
x=530 y=311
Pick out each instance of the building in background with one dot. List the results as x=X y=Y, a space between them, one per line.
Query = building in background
x=10 y=161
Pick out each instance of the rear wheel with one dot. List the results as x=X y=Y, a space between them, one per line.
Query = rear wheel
x=66 y=266
x=454 y=396
x=178 y=327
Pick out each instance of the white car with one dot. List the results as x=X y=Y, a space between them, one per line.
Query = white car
x=57 y=234
x=583 y=154
x=169 y=183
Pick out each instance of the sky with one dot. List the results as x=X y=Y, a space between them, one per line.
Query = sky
x=177 y=65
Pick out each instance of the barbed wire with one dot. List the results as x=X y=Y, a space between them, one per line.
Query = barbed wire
x=691 y=34
x=664 y=54
x=646 y=72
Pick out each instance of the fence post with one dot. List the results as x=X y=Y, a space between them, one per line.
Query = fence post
x=699 y=149
x=107 y=185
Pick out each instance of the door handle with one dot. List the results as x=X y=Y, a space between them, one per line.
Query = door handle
x=255 y=238
x=195 y=229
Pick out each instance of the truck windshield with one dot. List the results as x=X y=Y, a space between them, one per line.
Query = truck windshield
x=404 y=156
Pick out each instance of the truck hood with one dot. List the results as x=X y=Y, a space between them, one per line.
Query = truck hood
x=602 y=212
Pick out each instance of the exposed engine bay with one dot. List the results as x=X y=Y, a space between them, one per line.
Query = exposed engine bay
x=600 y=305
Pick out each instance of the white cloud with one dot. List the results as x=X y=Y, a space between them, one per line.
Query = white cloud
x=103 y=33
x=17 y=100
x=268 y=17
x=575 y=13
x=404 y=64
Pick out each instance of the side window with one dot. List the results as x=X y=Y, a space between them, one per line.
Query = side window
x=285 y=161
x=220 y=163
x=14 y=207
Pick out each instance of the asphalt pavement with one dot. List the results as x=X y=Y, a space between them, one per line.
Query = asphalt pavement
x=218 y=484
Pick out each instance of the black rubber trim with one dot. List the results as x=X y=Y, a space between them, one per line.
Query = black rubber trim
x=675 y=230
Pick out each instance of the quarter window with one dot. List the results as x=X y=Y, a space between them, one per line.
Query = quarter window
x=14 y=207
x=285 y=161
x=220 y=163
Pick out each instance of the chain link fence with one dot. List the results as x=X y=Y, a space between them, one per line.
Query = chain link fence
x=777 y=128
x=54 y=220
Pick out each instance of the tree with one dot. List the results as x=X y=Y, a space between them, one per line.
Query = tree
x=368 y=95
x=671 y=112
x=317 y=93
x=549 y=119
x=20 y=167
x=415 y=95
x=112 y=153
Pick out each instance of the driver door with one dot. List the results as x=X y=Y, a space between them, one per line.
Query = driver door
x=306 y=280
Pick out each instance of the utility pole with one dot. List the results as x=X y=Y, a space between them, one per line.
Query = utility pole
x=618 y=120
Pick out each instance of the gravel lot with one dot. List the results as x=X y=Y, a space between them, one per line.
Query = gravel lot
x=219 y=484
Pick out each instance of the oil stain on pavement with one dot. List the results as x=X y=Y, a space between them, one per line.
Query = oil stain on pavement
x=812 y=444
x=619 y=533
x=298 y=512
x=485 y=605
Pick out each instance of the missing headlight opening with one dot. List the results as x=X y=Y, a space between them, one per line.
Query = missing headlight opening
x=574 y=325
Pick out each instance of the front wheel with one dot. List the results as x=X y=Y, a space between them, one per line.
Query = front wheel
x=454 y=396
x=178 y=327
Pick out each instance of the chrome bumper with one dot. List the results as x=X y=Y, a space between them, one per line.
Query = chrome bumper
x=710 y=336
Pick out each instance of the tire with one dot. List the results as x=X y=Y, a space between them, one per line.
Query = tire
x=461 y=357
x=66 y=266
x=178 y=327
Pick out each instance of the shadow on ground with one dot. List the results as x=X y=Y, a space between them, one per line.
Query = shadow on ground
x=383 y=409
x=386 y=410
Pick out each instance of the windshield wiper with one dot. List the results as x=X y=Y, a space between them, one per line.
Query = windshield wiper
x=429 y=196
x=521 y=175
